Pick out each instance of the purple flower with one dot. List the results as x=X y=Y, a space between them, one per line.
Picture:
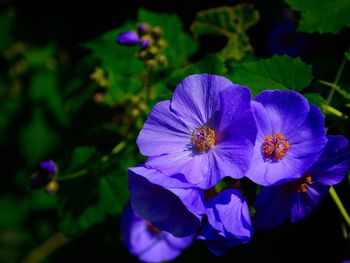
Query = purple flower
x=47 y=168
x=205 y=132
x=296 y=200
x=169 y=203
x=149 y=243
x=128 y=38
x=291 y=136
x=228 y=222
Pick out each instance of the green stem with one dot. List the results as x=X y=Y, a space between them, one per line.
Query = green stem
x=336 y=88
x=336 y=80
x=339 y=204
x=73 y=175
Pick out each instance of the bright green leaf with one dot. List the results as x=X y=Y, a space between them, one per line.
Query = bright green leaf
x=278 y=72
x=322 y=16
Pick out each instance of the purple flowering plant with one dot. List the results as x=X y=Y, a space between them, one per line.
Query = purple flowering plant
x=212 y=132
x=197 y=144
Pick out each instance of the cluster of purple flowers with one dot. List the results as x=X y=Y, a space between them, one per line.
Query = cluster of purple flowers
x=210 y=135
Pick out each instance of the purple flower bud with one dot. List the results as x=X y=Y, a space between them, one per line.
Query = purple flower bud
x=145 y=43
x=143 y=28
x=47 y=167
x=128 y=38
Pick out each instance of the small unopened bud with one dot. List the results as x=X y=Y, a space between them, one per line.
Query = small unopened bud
x=162 y=60
x=157 y=32
x=142 y=54
x=51 y=188
x=154 y=50
x=161 y=43
x=128 y=38
x=47 y=168
x=151 y=63
x=143 y=28
x=145 y=43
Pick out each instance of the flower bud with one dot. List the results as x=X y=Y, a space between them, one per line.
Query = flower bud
x=145 y=43
x=151 y=63
x=128 y=38
x=157 y=32
x=51 y=188
x=47 y=167
x=143 y=28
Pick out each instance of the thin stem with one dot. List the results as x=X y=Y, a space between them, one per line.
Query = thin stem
x=73 y=175
x=336 y=88
x=45 y=249
x=339 y=204
x=336 y=80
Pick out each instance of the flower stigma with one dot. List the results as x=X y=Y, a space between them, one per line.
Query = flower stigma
x=154 y=230
x=302 y=184
x=275 y=146
x=203 y=138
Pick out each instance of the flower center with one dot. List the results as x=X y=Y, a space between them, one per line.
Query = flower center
x=203 y=138
x=275 y=146
x=154 y=230
x=302 y=184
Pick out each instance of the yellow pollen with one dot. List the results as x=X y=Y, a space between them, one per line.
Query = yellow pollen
x=275 y=146
x=203 y=138
x=302 y=184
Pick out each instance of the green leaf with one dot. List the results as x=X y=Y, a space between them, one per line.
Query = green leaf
x=102 y=186
x=37 y=140
x=211 y=64
x=6 y=22
x=278 y=72
x=231 y=22
x=314 y=98
x=40 y=57
x=44 y=88
x=347 y=55
x=120 y=64
x=180 y=45
x=322 y=16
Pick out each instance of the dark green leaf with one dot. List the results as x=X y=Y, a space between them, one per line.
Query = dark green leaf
x=278 y=72
x=44 y=88
x=322 y=16
x=231 y=22
x=101 y=184
x=347 y=55
x=211 y=64
x=6 y=22
x=314 y=98
x=37 y=140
